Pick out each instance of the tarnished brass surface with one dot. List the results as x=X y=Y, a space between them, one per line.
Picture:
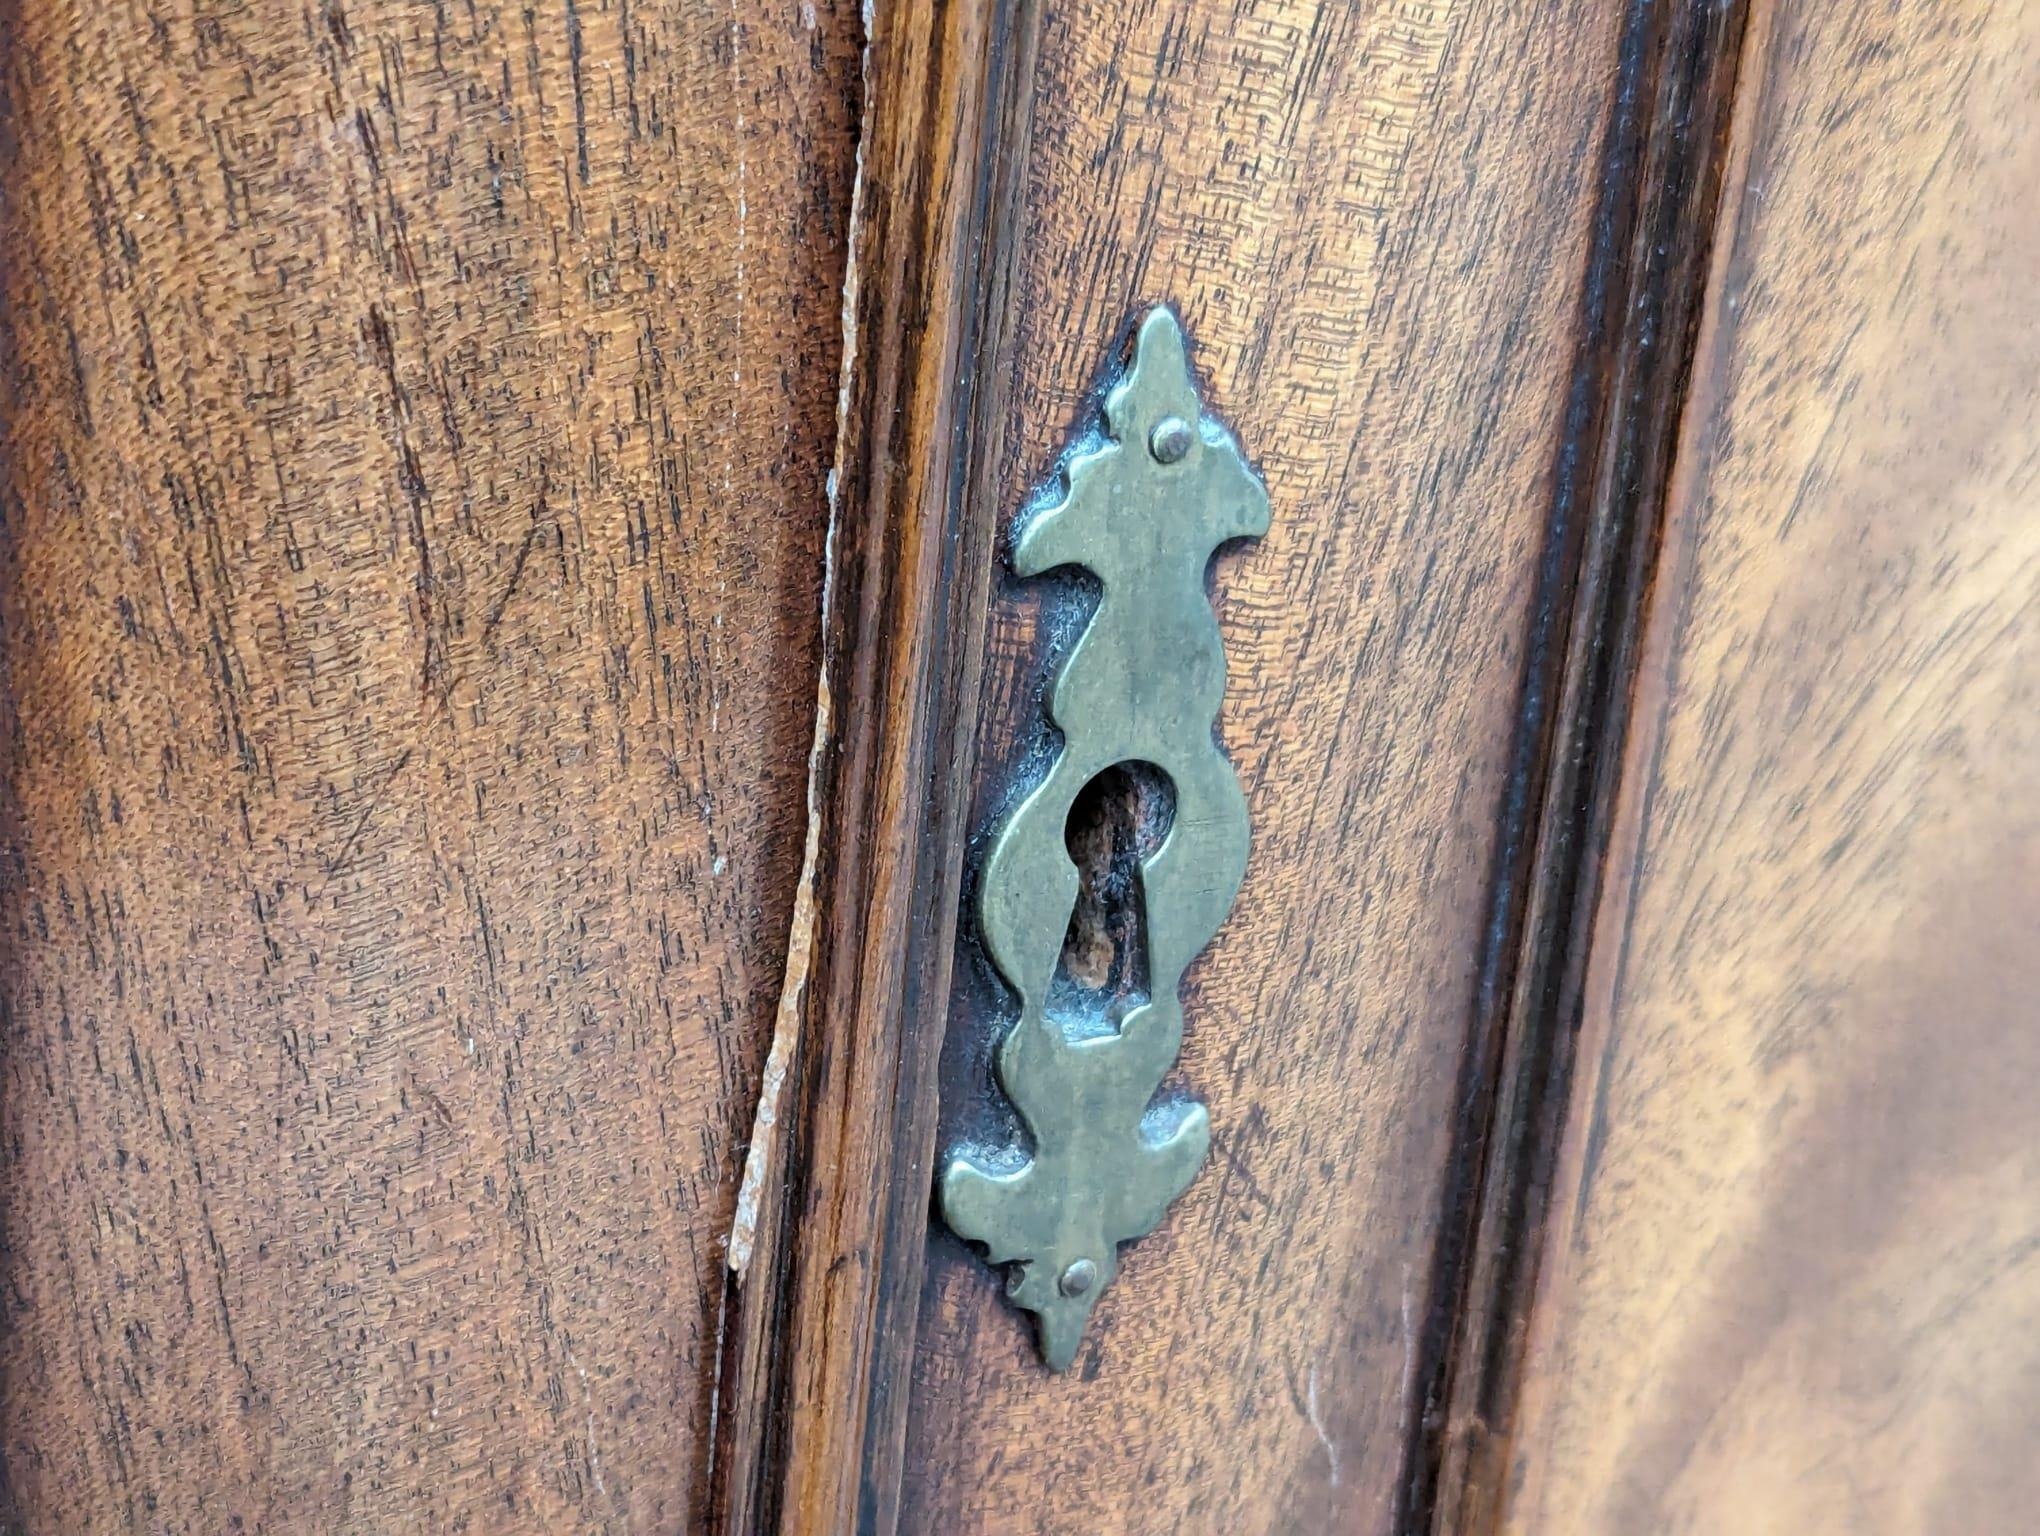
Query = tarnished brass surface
x=1145 y=508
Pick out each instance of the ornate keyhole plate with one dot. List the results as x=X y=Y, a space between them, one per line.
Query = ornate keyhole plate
x=1147 y=504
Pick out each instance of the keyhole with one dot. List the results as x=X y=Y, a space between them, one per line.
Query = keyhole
x=1116 y=823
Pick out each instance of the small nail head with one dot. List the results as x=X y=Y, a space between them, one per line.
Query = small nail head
x=1170 y=440
x=1078 y=1278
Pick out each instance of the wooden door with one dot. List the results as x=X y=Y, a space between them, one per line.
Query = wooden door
x=513 y=659
x=411 y=596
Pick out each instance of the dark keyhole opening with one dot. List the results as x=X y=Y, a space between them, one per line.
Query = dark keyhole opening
x=1116 y=823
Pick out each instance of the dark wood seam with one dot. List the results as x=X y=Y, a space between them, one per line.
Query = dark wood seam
x=996 y=216
x=1662 y=168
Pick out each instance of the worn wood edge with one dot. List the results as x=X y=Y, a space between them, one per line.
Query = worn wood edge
x=821 y=1299
x=1664 y=162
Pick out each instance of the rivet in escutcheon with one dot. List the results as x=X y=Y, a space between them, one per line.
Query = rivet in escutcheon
x=1170 y=440
x=1078 y=1278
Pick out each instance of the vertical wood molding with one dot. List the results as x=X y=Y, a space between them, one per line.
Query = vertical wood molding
x=1663 y=165
x=820 y=1329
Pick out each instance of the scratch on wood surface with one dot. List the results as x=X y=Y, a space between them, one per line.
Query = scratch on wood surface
x=1317 y=1423
x=1409 y=1354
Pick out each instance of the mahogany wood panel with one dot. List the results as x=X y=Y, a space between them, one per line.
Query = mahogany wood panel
x=415 y=428
x=1791 y=1284
x=1373 y=220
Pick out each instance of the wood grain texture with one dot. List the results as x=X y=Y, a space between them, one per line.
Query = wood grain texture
x=1794 y=1284
x=415 y=424
x=1373 y=221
